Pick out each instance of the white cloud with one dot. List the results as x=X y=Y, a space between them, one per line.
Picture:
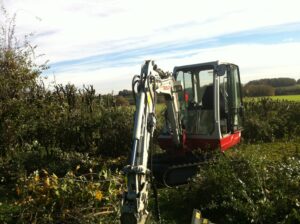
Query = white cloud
x=74 y=29
x=255 y=62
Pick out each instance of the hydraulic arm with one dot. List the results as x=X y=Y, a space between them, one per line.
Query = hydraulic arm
x=146 y=86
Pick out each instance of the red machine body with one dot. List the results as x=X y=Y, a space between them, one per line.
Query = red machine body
x=211 y=108
x=166 y=143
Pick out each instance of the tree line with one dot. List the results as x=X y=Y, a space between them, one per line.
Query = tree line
x=272 y=87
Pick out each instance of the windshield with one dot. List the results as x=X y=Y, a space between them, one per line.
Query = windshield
x=197 y=100
x=195 y=83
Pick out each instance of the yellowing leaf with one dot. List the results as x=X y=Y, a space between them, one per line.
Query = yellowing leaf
x=54 y=178
x=37 y=178
x=18 y=191
x=98 y=195
x=47 y=182
x=45 y=171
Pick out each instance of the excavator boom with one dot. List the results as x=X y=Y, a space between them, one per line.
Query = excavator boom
x=151 y=81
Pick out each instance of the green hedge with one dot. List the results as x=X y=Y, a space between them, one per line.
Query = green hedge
x=250 y=189
x=254 y=184
x=267 y=120
x=71 y=120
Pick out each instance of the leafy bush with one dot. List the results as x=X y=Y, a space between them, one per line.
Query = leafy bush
x=289 y=90
x=122 y=101
x=248 y=188
x=67 y=118
x=90 y=198
x=18 y=76
x=34 y=157
x=267 y=120
x=258 y=90
x=75 y=122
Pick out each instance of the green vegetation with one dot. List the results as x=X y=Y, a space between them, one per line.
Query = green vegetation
x=295 y=98
x=275 y=82
x=268 y=120
x=73 y=198
x=250 y=184
x=289 y=90
x=258 y=90
x=60 y=150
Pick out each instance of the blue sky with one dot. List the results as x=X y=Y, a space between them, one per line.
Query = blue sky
x=104 y=42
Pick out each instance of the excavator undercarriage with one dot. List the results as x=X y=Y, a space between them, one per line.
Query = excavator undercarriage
x=170 y=171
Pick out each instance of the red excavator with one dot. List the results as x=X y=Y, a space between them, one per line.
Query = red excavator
x=204 y=113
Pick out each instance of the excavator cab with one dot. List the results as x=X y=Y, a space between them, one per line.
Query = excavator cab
x=211 y=106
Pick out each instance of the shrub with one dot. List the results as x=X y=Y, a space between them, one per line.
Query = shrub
x=121 y=101
x=115 y=130
x=248 y=189
x=90 y=198
x=267 y=120
x=258 y=90
x=289 y=90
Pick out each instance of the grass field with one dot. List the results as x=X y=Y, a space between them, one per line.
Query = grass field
x=295 y=98
x=288 y=97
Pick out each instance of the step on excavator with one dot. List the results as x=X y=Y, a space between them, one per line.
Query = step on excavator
x=204 y=113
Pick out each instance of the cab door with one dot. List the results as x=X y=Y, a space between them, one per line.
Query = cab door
x=231 y=106
x=235 y=102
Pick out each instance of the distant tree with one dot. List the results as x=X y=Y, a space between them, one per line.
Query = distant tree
x=125 y=93
x=18 y=72
x=298 y=82
x=19 y=83
x=258 y=90
x=121 y=101
x=275 y=82
x=289 y=90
